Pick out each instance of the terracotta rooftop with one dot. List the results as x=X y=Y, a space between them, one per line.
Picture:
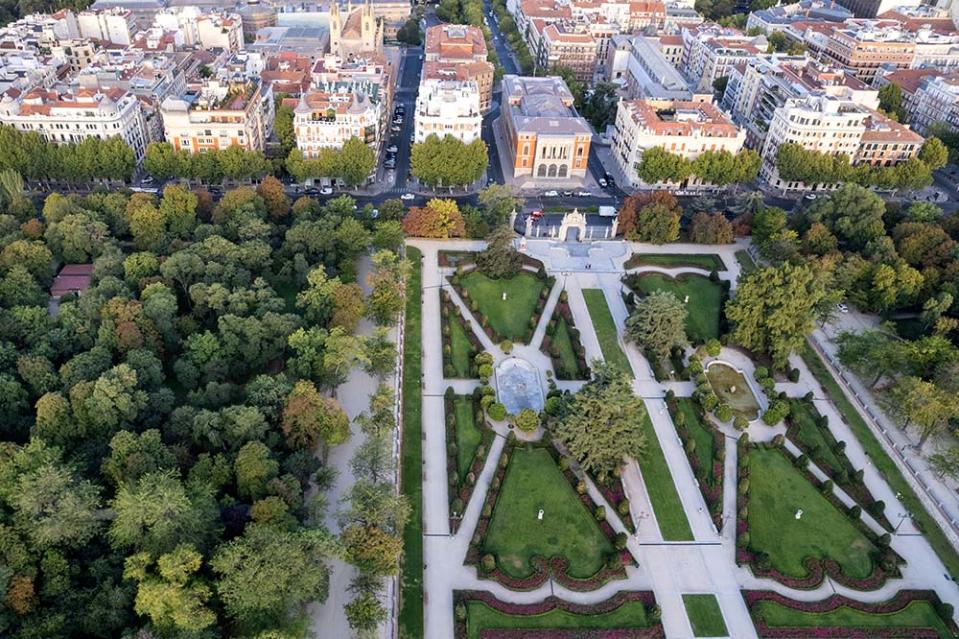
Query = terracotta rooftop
x=456 y=70
x=879 y=128
x=680 y=118
x=455 y=41
x=72 y=278
x=910 y=79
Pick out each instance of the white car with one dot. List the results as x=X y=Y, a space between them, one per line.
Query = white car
x=842 y=308
x=326 y=191
x=407 y=196
x=584 y=193
x=391 y=149
x=551 y=194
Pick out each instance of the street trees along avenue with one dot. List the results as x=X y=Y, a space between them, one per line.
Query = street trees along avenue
x=448 y=162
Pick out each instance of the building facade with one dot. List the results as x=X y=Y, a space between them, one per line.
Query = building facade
x=219 y=115
x=448 y=107
x=458 y=52
x=323 y=120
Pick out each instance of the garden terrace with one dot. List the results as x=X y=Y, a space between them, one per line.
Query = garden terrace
x=605 y=329
x=733 y=388
x=460 y=345
x=626 y=615
x=809 y=431
x=800 y=552
x=706 y=454
x=911 y=613
x=467 y=442
x=514 y=318
x=705 y=616
x=568 y=543
x=706 y=298
x=562 y=344
x=709 y=262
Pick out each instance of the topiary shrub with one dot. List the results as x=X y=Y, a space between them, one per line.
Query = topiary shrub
x=581 y=487
x=623 y=508
x=507 y=346
x=793 y=375
x=488 y=563
x=457 y=506
x=778 y=411
x=496 y=412
x=600 y=513
x=723 y=412
x=743 y=540
x=527 y=420
x=713 y=346
x=740 y=423
x=855 y=512
x=461 y=611
x=761 y=373
x=620 y=542
x=743 y=487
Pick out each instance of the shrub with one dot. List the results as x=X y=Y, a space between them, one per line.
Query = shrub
x=654 y=614
x=826 y=487
x=506 y=346
x=708 y=401
x=487 y=510
x=581 y=487
x=801 y=462
x=486 y=401
x=690 y=446
x=449 y=371
x=778 y=411
x=695 y=367
x=483 y=358
x=779 y=440
x=740 y=423
x=680 y=419
x=620 y=541
x=723 y=412
x=743 y=486
x=488 y=563
x=670 y=395
x=496 y=412
x=794 y=375
x=461 y=611
x=713 y=347
x=623 y=508
x=855 y=512
x=564 y=463
x=600 y=513
x=527 y=420
x=743 y=540
x=457 y=506
x=761 y=373
x=485 y=372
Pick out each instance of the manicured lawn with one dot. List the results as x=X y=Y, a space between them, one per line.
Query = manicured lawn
x=411 y=595
x=468 y=436
x=918 y=614
x=631 y=614
x=704 y=615
x=746 y=263
x=886 y=466
x=564 y=343
x=510 y=317
x=697 y=430
x=462 y=351
x=662 y=492
x=534 y=482
x=810 y=435
x=605 y=329
x=708 y=262
x=776 y=492
x=705 y=300
x=731 y=387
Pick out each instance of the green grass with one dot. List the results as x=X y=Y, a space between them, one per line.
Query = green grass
x=509 y=318
x=918 y=614
x=776 y=491
x=708 y=262
x=884 y=464
x=480 y=617
x=811 y=435
x=468 y=436
x=705 y=300
x=562 y=340
x=746 y=263
x=411 y=594
x=461 y=349
x=698 y=431
x=704 y=615
x=662 y=492
x=731 y=387
x=533 y=482
x=605 y=329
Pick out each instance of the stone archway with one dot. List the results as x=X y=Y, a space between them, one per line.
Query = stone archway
x=575 y=221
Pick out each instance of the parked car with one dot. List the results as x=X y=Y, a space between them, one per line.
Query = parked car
x=407 y=196
x=567 y=194
x=602 y=182
x=395 y=129
x=391 y=149
x=551 y=194
x=326 y=190
x=584 y=193
x=842 y=308
x=536 y=214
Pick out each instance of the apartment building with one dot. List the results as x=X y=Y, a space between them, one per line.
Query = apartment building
x=639 y=65
x=203 y=30
x=218 y=115
x=710 y=51
x=684 y=128
x=886 y=142
x=448 y=107
x=323 y=120
x=116 y=25
x=864 y=48
x=65 y=118
x=546 y=137
x=928 y=95
x=458 y=52
x=935 y=49
x=781 y=17
x=561 y=47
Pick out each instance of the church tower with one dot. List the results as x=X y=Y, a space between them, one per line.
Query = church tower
x=336 y=26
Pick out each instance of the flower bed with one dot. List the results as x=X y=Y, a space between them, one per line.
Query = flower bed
x=611 y=487
x=849 y=479
x=456 y=283
x=450 y=312
x=816 y=569
x=562 y=310
x=461 y=599
x=461 y=488
x=899 y=602
x=543 y=567
x=710 y=479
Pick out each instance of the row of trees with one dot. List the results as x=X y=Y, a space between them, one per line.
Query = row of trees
x=711 y=167
x=797 y=164
x=447 y=161
x=353 y=163
x=163 y=162
x=38 y=160
x=507 y=27
x=656 y=218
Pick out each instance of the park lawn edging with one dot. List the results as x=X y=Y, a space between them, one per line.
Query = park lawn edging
x=705 y=261
x=543 y=567
x=710 y=480
x=922 y=520
x=411 y=470
x=451 y=313
x=850 y=479
x=817 y=569
x=899 y=602
x=461 y=599
x=461 y=488
x=563 y=311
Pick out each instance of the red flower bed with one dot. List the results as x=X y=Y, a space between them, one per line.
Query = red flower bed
x=558 y=633
x=554 y=603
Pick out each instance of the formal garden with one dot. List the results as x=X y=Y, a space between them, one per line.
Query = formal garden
x=705 y=449
x=468 y=440
x=460 y=345
x=703 y=297
x=506 y=308
x=562 y=343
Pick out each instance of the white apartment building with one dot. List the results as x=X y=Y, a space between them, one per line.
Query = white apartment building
x=711 y=51
x=935 y=49
x=219 y=115
x=110 y=25
x=64 y=118
x=203 y=30
x=324 y=120
x=936 y=99
x=821 y=123
x=684 y=128
x=448 y=107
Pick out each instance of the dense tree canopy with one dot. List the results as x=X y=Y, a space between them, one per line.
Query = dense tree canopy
x=448 y=162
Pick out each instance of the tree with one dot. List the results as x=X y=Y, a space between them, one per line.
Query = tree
x=499 y=201
x=317 y=299
x=890 y=101
x=659 y=165
x=356 y=161
x=132 y=456
x=409 y=33
x=254 y=467
x=146 y=222
x=933 y=153
x=853 y=213
x=657 y=324
x=601 y=105
x=387 y=283
x=347 y=306
x=710 y=229
x=365 y=613
x=946 y=463
x=309 y=418
x=633 y=204
x=603 y=424
x=176 y=599
x=656 y=224
x=380 y=353
x=448 y=161
x=277 y=203
x=268 y=571
x=438 y=219
x=178 y=208
x=921 y=404
x=774 y=309
x=873 y=354
x=500 y=260
x=373 y=550
x=283 y=126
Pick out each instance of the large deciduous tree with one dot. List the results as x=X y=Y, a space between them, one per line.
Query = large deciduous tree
x=309 y=418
